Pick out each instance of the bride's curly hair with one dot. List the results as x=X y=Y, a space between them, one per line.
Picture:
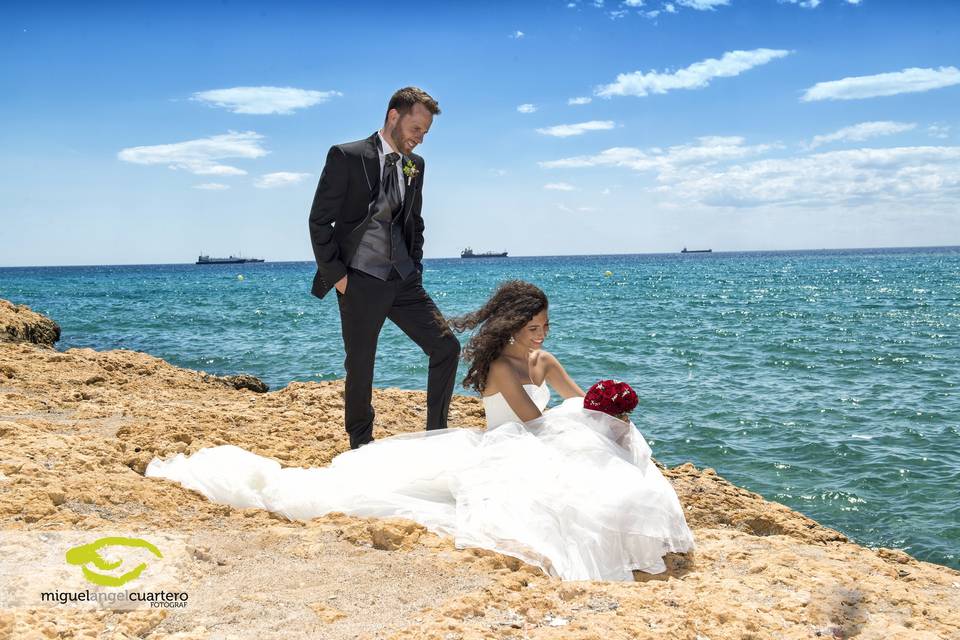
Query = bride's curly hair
x=508 y=310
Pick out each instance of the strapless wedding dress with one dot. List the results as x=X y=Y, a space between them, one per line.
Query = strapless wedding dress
x=498 y=412
x=573 y=492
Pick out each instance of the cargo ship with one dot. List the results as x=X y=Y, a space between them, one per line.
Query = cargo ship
x=230 y=260
x=468 y=253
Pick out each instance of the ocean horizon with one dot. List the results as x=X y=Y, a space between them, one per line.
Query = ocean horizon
x=823 y=379
x=692 y=252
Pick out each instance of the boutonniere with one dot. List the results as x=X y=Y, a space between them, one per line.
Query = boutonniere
x=410 y=170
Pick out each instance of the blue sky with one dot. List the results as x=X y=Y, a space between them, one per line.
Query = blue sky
x=149 y=132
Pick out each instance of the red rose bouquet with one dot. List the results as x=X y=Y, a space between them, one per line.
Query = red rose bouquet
x=612 y=397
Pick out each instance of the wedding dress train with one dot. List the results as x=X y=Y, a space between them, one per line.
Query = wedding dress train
x=573 y=492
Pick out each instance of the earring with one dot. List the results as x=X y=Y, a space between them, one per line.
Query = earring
x=512 y=340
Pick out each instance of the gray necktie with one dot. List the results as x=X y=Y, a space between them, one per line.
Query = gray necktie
x=389 y=184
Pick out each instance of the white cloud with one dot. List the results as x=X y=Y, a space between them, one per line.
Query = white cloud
x=567 y=209
x=200 y=156
x=527 y=108
x=723 y=172
x=264 y=100
x=703 y=5
x=862 y=131
x=672 y=7
x=806 y=4
x=580 y=100
x=566 y=130
x=696 y=76
x=211 y=186
x=941 y=131
x=707 y=150
x=911 y=80
x=613 y=157
x=559 y=186
x=910 y=176
x=516 y=35
x=279 y=179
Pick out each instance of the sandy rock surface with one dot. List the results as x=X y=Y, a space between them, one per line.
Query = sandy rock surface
x=77 y=429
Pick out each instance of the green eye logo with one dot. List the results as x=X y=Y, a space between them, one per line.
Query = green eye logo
x=90 y=554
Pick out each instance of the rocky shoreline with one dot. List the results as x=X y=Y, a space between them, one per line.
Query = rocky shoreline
x=77 y=429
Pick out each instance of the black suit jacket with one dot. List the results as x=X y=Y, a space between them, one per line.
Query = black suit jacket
x=341 y=209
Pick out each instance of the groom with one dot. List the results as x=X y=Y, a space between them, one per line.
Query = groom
x=367 y=236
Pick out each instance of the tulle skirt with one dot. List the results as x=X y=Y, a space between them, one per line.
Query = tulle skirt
x=574 y=492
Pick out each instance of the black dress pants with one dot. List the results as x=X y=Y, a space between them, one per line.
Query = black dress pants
x=363 y=308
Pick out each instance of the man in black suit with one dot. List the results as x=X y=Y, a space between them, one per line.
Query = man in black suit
x=367 y=236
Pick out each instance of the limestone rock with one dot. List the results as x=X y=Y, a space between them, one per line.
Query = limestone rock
x=19 y=324
x=78 y=428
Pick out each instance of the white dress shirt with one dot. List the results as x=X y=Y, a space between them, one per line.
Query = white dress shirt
x=386 y=148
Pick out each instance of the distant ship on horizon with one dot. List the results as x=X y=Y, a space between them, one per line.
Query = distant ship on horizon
x=685 y=250
x=468 y=253
x=230 y=260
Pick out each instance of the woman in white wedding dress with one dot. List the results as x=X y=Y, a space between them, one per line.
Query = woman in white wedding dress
x=570 y=490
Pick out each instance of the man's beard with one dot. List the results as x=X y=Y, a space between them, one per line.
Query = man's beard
x=397 y=143
x=396 y=140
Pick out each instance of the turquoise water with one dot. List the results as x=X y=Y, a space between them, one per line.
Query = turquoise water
x=823 y=380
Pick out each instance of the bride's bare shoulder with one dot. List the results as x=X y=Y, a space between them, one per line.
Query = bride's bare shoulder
x=501 y=369
x=497 y=376
x=543 y=359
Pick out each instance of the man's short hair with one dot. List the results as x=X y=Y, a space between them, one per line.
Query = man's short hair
x=404 y=99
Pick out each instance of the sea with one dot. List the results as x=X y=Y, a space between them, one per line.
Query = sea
x=824 y=380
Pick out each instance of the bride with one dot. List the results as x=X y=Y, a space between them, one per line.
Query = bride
x=570 y=490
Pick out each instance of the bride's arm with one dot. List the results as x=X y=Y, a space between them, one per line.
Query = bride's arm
x=506 y=381
x=559 y=379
